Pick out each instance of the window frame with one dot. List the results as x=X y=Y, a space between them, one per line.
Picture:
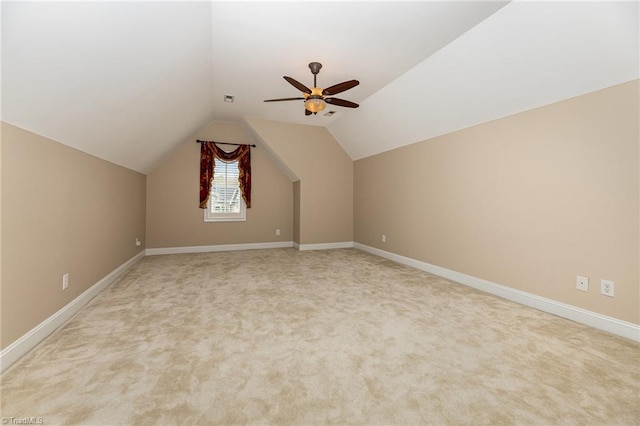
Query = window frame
x=211 y=216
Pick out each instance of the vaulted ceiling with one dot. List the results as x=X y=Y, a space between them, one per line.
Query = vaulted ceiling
x=129 y=81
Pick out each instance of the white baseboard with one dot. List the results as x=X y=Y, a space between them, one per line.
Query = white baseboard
x=219 y=247
x=19 y=348
x=583 y=316
x=248 y=246
x=324 y=246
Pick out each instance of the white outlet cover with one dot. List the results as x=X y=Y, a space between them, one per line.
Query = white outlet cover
x=607 y=288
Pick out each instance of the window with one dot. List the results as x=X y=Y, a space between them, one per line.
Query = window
x=225 y=201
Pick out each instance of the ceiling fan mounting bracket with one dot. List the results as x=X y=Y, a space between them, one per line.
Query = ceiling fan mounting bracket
x=315 y=67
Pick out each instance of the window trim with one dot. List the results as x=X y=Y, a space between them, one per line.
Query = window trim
x=211 y=216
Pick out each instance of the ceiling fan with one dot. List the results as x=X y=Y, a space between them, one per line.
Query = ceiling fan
x=316 y=99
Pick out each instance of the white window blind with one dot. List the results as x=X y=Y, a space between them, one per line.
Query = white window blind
x=225 y=202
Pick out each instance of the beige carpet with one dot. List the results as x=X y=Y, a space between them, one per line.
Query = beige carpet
x=324 y=337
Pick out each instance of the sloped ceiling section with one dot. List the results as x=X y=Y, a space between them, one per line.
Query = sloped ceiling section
x=524 y=56
x=124 y=81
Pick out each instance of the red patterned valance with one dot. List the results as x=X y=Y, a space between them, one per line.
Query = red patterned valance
x=209 y=151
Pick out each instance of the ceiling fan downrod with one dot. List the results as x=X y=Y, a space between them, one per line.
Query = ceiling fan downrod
x=315 y=69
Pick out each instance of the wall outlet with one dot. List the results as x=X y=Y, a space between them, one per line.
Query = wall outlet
x=607 y=288
x=138 y=242
x=277 y=232
x=384 y=238
x=65 y=281
x=582 y=283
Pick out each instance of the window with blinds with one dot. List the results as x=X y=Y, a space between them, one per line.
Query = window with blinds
x=225 y=201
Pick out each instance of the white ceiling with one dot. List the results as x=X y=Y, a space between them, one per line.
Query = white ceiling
x=129 y=81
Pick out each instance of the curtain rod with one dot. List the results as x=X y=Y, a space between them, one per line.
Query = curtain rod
x=226 y=143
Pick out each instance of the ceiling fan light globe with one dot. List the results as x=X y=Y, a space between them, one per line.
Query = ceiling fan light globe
x=315 y=104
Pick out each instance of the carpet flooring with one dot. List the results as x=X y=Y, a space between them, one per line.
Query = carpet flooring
x=317 y=337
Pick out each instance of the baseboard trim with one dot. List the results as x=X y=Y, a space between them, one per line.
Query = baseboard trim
x=248 y=246
x=582 y=316
x=324 y=246
x=19 y=348
x=219 y=247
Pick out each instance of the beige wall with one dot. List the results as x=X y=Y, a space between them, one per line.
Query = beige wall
x=62 y=211
x=174 y=218
x=296 y=212
x=528 y=201
x=325 y=173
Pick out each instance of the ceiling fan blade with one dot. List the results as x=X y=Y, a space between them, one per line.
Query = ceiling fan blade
x=301 y=87
x=340 y=87
x=341 y=102
x=307 y=112
x=282 y=99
